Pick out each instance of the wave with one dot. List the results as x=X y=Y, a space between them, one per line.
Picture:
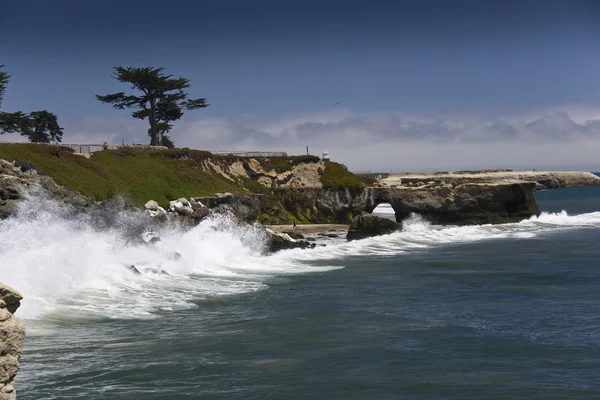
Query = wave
x=77 y=265
x=418 y=234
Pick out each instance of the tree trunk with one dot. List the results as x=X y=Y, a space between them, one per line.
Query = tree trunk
x=153 y=130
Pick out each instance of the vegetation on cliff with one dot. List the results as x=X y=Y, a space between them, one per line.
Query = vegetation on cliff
x=160 y=175
x=335 y=176
x=138 y=176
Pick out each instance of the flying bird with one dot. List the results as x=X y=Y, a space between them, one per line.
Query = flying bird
x=336 y=103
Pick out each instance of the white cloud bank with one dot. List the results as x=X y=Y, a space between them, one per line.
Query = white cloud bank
x=567 y=138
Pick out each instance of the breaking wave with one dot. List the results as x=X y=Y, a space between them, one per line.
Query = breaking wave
x=78 y=265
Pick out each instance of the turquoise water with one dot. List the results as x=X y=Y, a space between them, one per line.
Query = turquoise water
x=491 y=312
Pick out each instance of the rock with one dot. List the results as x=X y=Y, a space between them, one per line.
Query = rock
x=465 y=204
x=160 y=214
x=196 y=204
x=151 y=205
x=244 y=208
x=366 y=225
x=12 y=337
x=283 y=241
x=199 y=210
x=17 y=183
x=441 y=204
x=133 y=269
x=181 y=207
x=12 y=191
x=329 y=235
x=9 y=298
x=199 y=214
x=295 y=235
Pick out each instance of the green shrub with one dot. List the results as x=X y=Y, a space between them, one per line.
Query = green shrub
x=336 y=176
x=253 y=185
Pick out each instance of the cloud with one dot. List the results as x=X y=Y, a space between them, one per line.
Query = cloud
x=558 y=138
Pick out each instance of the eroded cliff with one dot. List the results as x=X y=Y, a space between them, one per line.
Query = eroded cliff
x=443 y=204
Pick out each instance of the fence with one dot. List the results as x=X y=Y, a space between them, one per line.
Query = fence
x=92 y=148
x=250 y=153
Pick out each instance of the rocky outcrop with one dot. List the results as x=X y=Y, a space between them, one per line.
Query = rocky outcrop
x=182 y=210
x=282 y=241
x=18 y=181
x=442 y=204
x=314 y=206
x=542 y=179
x=245 y=208
x=461 y=205
x=12 y=336
x=366 y=225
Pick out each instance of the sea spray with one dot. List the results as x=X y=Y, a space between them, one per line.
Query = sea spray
x=78 y=264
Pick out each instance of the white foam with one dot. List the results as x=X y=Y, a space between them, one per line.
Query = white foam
x=63 y=265
x=418 y=234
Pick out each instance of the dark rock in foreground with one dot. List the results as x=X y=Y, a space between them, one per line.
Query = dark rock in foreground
x=366 y=225
x=282 y=241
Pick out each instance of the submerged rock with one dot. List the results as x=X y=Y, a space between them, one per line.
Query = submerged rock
x=133 y=269
x=366 y=225
x=12 y=336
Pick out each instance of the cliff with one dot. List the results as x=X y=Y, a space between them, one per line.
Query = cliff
x=186 y=184
x=443 y=204
x=541 y=179
x=140 y=175
x=12 y=336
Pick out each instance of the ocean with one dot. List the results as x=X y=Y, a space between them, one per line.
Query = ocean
x=476 y=312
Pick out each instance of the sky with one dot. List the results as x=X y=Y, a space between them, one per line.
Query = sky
x=420 y=85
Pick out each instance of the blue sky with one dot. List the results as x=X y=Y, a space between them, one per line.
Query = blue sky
x=420 y=73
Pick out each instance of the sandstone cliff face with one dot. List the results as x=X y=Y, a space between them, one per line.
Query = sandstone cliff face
x=12 y=336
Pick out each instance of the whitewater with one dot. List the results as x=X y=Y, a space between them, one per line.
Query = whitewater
x=75 y=266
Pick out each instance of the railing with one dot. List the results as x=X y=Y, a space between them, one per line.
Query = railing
x=250 y=153
x=92 y=148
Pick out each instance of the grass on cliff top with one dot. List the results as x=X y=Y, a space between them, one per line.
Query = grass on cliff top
x=138 y=176
x=335 y=176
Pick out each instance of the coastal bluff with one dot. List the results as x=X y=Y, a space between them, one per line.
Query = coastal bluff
x=12 y=336
x=443 y=204
x=542 y=179
x=186 y=184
